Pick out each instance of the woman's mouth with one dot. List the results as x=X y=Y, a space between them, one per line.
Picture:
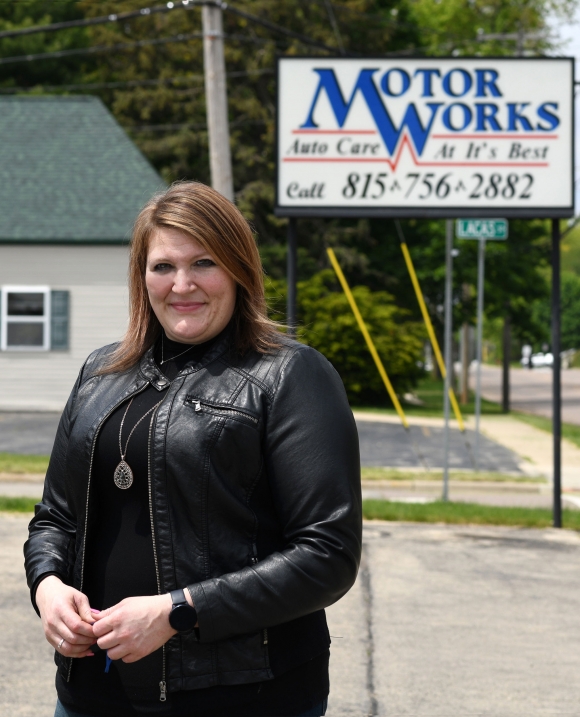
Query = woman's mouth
x=187 y=306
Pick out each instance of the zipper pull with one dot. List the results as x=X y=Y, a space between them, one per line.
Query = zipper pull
x=163 y=688
x=265 y=636
x=197 y=405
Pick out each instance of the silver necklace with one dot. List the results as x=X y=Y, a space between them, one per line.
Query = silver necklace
x=173 y=357
x=123 y=475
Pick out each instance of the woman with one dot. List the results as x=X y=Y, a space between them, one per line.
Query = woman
x=202 y=502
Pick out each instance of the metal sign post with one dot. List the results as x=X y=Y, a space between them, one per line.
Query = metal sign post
x=480 y=229
x=480 y=290
x=447 y=349
x=556 y=376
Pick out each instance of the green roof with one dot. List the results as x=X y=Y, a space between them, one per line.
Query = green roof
x=68 y=172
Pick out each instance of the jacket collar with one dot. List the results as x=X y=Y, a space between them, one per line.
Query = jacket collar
x=155 y=376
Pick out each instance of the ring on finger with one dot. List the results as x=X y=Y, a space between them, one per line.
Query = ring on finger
x=60 y=644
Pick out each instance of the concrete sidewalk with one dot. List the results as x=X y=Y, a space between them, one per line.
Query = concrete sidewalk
x=442 y=621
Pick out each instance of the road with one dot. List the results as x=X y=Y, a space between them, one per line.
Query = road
x=443 y=620
x=531 y=391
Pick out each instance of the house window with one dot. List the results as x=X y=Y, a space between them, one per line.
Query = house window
x=34 y=318
x=25 y=318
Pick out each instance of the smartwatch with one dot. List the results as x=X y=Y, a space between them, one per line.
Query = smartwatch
x=182 y=617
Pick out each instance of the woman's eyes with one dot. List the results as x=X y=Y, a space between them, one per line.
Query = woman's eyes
x=201 y=263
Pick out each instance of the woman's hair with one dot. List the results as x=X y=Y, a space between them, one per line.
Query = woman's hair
x=220 y=228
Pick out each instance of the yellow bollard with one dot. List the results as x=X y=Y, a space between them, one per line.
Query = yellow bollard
x=365 y=333
x=430 y=331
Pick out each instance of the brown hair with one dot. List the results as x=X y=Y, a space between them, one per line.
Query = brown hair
x=219 y=226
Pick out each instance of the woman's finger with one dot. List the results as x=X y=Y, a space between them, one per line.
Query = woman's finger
x=62 y=628
x=68 y=650
x=119 y=652
x=109 y=642
x=83 y=607
x=76 y=625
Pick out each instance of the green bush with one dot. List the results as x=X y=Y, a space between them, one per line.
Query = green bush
x=327 y=323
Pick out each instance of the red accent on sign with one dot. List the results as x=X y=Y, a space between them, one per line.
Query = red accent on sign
x=494 y=136
x=394 y=162
x=334 y=131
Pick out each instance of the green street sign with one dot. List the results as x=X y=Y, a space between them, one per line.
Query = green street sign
x=494 y=229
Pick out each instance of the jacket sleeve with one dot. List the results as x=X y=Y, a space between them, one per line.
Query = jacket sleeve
x=50 y=548
x=313 y=468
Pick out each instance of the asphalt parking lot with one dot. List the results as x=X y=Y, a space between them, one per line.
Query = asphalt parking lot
x=443 y=621
x=381 y=443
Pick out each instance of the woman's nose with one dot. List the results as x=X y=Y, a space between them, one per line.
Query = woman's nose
x=184 y=282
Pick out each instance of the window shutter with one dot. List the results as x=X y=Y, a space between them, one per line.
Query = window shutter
x=59 y=320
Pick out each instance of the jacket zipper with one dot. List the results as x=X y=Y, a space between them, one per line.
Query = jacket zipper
x=162 y=683
x=254 y=560
x=87 y=501
x=198 y=406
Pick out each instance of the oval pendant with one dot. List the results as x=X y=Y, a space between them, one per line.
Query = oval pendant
x=123 y=476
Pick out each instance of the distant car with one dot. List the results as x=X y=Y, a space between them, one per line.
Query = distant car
x=542 y=359
x=537 y=360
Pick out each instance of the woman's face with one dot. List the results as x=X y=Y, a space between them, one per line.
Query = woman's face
x=191 y=295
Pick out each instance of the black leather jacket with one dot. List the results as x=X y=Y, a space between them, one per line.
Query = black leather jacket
x=254 y=485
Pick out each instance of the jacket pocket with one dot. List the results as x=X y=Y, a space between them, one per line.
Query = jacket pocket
x=222 y=410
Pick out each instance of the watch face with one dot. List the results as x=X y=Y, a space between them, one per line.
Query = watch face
x=183 y=617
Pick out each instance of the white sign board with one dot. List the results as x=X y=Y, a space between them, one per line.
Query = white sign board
x=425 y=137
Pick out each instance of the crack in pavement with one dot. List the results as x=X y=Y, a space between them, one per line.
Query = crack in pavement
x=365 y=578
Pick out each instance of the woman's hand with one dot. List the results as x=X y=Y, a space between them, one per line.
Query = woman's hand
x=66 y=614
x=135 y=627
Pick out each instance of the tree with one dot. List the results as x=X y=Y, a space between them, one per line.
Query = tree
x=328 y=324
x=156 y=92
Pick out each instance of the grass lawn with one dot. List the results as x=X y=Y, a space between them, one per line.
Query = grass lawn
x=17 y=505
x=569 y=430
x=466 y=513
x=16 y=463
x=430 y=392
x=394 y=474
x=437 y=512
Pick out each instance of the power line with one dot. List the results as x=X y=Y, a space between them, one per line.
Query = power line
x=335 y=28
x=123 y=46
x=184 y=79
x=186 y=125
x=278 y=28
x=192 y=4
x=114 y=17
x=147 y=11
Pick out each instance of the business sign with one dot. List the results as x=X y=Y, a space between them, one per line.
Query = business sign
x=443 y=137
x=494 y=229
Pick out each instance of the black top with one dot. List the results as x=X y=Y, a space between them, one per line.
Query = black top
x=119 y=563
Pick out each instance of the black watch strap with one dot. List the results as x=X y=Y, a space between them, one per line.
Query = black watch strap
x=178 y=597
x=182 y=617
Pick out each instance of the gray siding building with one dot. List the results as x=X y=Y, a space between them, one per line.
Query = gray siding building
x=71 y=185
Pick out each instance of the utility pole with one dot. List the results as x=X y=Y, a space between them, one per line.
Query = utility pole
x=216 y=98
x=291 y=275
